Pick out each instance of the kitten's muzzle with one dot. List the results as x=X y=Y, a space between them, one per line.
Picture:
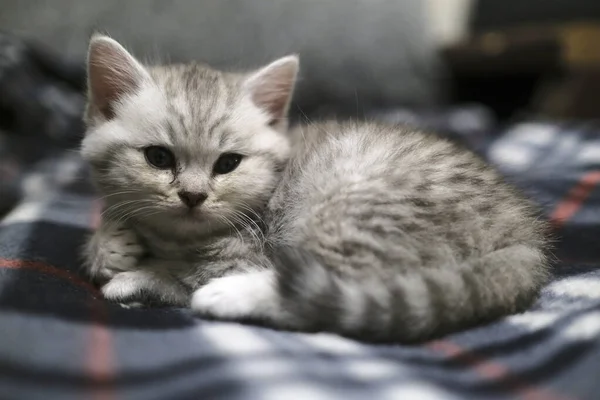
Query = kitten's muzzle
x=192 y=199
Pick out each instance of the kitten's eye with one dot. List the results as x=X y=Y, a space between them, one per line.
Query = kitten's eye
x=227 y=163
x=159 y=157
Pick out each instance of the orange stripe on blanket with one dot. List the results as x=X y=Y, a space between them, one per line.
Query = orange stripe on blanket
x=99 y=361
x=48 y=270
x=573 y=201
x=100 y=358
x=494 y=371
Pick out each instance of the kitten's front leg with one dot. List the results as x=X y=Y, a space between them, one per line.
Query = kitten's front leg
x=113 y=248
x=150 y=284
x=243 y=296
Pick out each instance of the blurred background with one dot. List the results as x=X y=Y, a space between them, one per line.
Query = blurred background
x=357 y=55
x=464 y=67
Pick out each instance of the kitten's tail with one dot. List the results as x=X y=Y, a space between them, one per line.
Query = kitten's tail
x=406 y=307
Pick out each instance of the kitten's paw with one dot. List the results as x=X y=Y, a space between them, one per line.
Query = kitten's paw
x=138 y=289
x=251 y=295
x=124 y=286
x=133 y=304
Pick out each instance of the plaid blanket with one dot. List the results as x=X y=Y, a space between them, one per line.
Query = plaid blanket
x=60 y=340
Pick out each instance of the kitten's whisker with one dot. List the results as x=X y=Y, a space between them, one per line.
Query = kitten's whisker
x=244 y=215
x=238 y=218
x=149 y=213
x=142 y=211
x=119 y=193
x=116 y=206
x=250 y=210
x=232 y=225
x=254 y=214
x=256 y=232
x=124 y=209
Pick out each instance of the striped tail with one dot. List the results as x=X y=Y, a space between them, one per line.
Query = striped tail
x=388 y=307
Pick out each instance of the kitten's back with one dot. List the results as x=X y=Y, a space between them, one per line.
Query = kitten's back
x=387 y=233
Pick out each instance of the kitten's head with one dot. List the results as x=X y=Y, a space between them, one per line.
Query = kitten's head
x=184 y=142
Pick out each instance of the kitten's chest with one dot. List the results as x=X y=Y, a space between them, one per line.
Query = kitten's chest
x=192 y=248
x=170 y=249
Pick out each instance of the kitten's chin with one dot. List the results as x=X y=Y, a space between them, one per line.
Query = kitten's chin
x=192 y=214
x=169 y=214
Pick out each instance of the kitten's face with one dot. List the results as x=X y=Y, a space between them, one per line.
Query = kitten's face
x=186 y=143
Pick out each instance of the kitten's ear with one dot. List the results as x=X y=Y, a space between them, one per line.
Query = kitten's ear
x=112 y=73
x=272 y=87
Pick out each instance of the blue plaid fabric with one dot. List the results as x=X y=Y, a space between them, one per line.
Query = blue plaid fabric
x=60 y=340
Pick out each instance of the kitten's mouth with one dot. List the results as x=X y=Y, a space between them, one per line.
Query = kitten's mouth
x=191 y=213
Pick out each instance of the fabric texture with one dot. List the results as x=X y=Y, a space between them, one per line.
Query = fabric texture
x=60 y=340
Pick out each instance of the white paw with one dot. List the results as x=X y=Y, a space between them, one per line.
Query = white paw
x=142 y=288
x=124 y=285
x=248 y=295
x=132 y=305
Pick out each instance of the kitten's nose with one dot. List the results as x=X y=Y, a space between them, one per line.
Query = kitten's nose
x=192 y=199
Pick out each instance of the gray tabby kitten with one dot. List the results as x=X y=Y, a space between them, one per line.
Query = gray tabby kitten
x=187 y=159
x=370 y=231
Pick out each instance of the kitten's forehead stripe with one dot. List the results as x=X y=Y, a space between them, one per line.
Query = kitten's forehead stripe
x=182 y=123
x=171 y=131
x=215 y=128
x=199 y=99
x=176 y=126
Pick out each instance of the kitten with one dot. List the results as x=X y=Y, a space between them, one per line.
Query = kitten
x=186 y=159
x=371 y=231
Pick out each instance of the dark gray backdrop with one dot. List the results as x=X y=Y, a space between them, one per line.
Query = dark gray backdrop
x=356 y=54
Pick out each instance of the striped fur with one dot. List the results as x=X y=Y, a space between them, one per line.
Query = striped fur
x=389 y=234
x=378 y=232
